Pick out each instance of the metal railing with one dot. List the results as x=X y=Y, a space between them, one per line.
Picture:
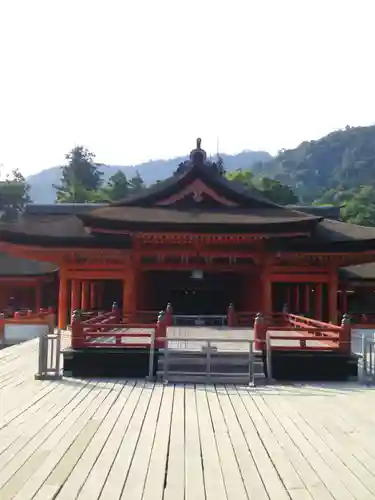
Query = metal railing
x=209 y=350
x=199 y=320
x=49 y=356
x=366 y=361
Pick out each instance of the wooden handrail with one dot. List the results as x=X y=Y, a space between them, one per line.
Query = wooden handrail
x=303 y=322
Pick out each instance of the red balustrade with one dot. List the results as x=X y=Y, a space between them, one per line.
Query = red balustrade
x=329 y=336
x=105 y=330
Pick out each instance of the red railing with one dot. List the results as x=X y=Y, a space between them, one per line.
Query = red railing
x=107 y=330
x=363 y=319
x=330 y=337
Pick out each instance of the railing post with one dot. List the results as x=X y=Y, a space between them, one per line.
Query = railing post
x=208 y=359
x=152 y=356
x=58 y=351
x=345 y=334
x=260 y=330
x=116 y=313
x=269 y=358
x=232 y=319
x=169 y=315
x=251 y=362
x=166 y=361
x=77 y=340
x=161 y=328
x=2 y=329
x=42 y=357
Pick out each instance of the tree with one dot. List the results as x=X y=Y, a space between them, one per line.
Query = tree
x=136 y=184
x=360 y=208
x=276 y=191
x=118 y=187
x=81 y=177
x=245 y=177
x=273 y=190
x=14 y=195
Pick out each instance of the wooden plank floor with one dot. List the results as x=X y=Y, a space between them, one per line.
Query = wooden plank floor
x=118 y=439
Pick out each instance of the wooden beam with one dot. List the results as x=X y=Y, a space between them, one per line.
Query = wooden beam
x=300 y=278
x=96 y=275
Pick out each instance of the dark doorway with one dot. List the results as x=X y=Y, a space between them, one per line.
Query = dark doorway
x=192 y=293
x=112 y=291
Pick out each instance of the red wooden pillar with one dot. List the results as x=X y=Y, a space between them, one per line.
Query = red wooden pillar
x=38 y=296
x=130 y=293
x=267 y=289
x=307 y=299
x=85 y=296
x=296 y=299
x=63 y=301
x=92 y=296
x=318 y=299
x=332 y=295
x=288 y=298
x=99 y=294
x=75 y=300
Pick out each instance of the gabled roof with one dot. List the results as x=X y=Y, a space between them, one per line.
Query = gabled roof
x=197 y=194
x=198 y=168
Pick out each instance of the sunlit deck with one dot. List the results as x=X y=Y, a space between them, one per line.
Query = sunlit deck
x=114 y=439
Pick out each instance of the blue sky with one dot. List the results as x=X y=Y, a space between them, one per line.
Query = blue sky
x=134 y=80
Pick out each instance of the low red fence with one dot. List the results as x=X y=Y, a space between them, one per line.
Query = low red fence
x=111 y=330
x=305 y=332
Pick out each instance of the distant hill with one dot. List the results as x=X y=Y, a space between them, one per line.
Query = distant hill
x=41 y=190
x=332 y=169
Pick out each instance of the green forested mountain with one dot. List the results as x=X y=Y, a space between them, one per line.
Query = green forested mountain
x=338 y=168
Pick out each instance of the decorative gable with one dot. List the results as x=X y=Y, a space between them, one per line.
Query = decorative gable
x=198 y=192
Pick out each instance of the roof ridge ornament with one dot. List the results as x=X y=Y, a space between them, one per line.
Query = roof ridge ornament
x=198 y=156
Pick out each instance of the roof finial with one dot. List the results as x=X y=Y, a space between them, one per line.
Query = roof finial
x=199 y=142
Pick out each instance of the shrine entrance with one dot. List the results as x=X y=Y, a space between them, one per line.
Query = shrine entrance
x=195 y=292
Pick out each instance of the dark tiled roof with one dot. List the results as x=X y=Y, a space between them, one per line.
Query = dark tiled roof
x=359 y=272
x=61 y=208
x=140 y=215
x=336 y=231
x=326 y=211
x=57 y=230
x=15 y=266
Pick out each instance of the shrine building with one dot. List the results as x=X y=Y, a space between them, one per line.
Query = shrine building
x=196 y=240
